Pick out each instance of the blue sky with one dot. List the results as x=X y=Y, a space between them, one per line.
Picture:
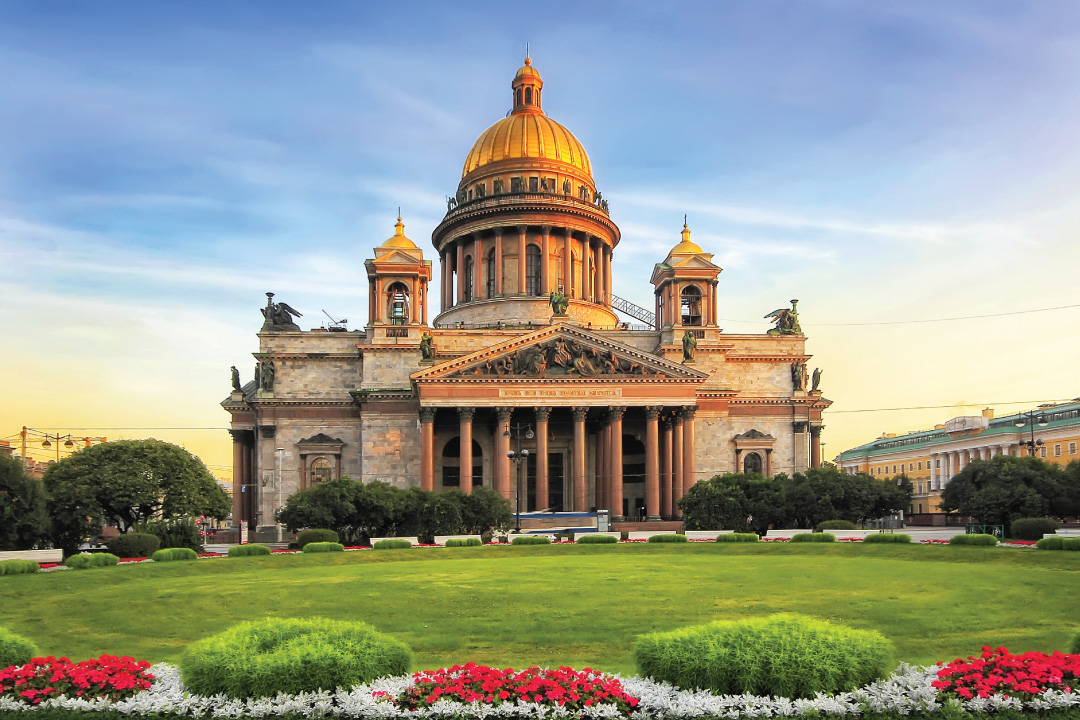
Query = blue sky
x=164 y=164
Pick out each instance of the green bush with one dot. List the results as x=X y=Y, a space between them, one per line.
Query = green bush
x=248 y=550
x=1032 y=528
x=973 y=539
x=814 y=537
x=103 y=560
x=667 y=538
x=464 y=542
x=180 y=553
x=1074 y=646
x=1051 y=543
x=835 y=525
x=596 y=539
x=15 y=649
x=291 y=655
x=179 y=533
x=1070 y=543
x=392 y=544
x=531 y=540
x=737 y=537
x=18 y=567
x=887 y=538
x=323 y=547
x=316 y=535
x=81 y=561
x=781 y=655
x=134 y=545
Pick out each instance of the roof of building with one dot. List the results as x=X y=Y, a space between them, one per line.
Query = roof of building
x=398 y=239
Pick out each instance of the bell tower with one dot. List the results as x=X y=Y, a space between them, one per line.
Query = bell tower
x=685 y=289
x=397 y=290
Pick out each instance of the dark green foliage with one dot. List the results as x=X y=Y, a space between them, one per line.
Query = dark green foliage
x=79 y=562
x=531 y=540
x=887 y=538
x=15 y=649
x=785 y=655
x=18 y=567
x=392 y=544
x=104 y=560
x=737 y=537
x=134 y=545
x=836 y=525
x=324 y=547
x=1005 y=488
x=170 y=554
x=589 y=539
x=316 y=535
x=1074 y=645
x=973 y=539
x=24 y=517
x=1071 y=544
x=484 y=511
x=124 y=483
x=822 y=537
x=667 y=539
x=1032 y=528
x=464 y=542
x=261 y=659
x=1051 y=543
x=179 y=533
x=248 y=550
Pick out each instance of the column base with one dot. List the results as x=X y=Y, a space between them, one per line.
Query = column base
x=653 y=518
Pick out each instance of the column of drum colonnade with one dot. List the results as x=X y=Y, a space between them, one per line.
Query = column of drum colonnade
x=669 y=457
x=945 y=465
x=592 y=283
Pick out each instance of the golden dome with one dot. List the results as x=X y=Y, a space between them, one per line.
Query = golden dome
x=527 y=69
x=398 y=239
x=685 y=247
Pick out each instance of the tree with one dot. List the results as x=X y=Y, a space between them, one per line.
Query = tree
x=485 y=511
x=127 y=482
x=1004 y=488
x=24 y=517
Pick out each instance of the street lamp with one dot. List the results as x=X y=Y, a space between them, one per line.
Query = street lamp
x=519 y=458
x=69 y=443
x=277 y=488
x=1030 y=419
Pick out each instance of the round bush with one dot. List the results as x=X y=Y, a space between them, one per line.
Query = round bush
x=835 y=525
x=248 y=550
x=781 y=655
x=1051 y=543
x=464 y=542
x=737 y=537
x=1032 y=528
x=103 y=560
x=1070 y=543
x=291 y=655
x=170 y=554
x=316 y=535
x=887 y=538
x=134 y=545
x=323 y=547
x=814 y=537
x=531 y=540
x=79 y=562
x=18 y=567
x=392 y=544
x=667 y=538
x=973 y=539
x=15 y=649
x=596 y=539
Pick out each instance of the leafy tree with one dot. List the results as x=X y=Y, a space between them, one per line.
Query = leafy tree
x=127 y=482
x=485 y=511
x=24 y=517
x=1004 y=488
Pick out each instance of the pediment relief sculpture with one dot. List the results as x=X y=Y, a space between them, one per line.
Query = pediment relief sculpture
x=560 y=357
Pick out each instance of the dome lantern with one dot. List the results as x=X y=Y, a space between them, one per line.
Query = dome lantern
x=526 y=86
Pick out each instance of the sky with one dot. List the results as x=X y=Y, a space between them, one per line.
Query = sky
x=908 y=170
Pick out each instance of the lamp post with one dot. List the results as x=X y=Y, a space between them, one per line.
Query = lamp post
x=47 y=443
x=277 y=488
x=519 y=458
x=1030 y=419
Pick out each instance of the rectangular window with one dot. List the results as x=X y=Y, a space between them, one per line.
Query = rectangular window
x=1042 y=451
x=893 y=469
x=910 y=466
x=1057 y=450
x=1072 y=448
x=534 y=184
x=920 y=464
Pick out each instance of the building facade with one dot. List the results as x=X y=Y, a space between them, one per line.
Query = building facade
x=521 y=347
x=930 y=458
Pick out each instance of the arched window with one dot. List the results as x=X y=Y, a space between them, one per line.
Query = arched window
x=489 y=268
x=519 y=96
x=528 y=96
x=321 y=471
x=451 y=463
x=752 y=463
x=532 y=270
x=468 y=279
x=397 y=304
x=691 y=306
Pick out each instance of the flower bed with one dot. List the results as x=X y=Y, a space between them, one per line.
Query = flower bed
x=999 y=672
x=108 y=677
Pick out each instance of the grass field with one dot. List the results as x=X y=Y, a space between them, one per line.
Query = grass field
x=566 y=605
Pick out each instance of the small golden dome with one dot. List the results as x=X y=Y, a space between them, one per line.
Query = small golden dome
x=685 y=247
x=527 y=69
x=398 y=239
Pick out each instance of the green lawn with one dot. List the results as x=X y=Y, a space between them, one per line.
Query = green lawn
x=564 y=605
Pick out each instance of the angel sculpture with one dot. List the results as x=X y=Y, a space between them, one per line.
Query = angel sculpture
x=787 y=321
x=279 y=316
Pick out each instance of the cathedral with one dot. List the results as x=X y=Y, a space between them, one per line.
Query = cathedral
x=517 y=373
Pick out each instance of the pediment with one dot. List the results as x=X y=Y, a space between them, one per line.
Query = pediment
x=397 y=257
x=559 y=352
x=687 y=262
x=753 y=434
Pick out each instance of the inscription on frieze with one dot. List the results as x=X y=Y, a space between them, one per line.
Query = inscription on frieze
x=560 y=393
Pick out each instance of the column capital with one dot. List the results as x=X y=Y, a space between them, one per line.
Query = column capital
x=652 y=411
x=616 y=412
x=427 y=414
x=521 y=229
x=815 y=430
x=543 y=414
x=688 y=412
x=546 y=229
x=579 y=413
x=466 y=413
x=504 y=414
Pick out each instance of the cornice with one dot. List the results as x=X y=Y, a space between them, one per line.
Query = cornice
x=766 y=358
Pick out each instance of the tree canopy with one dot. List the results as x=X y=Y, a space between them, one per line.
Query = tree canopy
x=127 y=482
x=1004 y=488
x=24 y=518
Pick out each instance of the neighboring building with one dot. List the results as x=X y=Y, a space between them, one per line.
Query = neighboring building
x=526 y=341
x=930 y=458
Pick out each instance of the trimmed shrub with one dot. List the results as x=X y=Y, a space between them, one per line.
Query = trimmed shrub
x=887 y=538
x=464 y=542
x=1051 y=543
x=835 y=525
x=81 y=561
x=1032 y=528
x=973 y=539
x=103 y=560
x=1070 y=543
x=667 y=538
x=1074 y=646
x=323 y=547
x=316 y=535
x=596 y=539
x=392 y=544
x=178 y=533
x=814 y=537
x=134 y=545
x=248 y=550
x=291 y=655
x=18 y=566
x=169 y=554
x=15 y=649
x=737 y=537
x=531 y=540
x=781 y=655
